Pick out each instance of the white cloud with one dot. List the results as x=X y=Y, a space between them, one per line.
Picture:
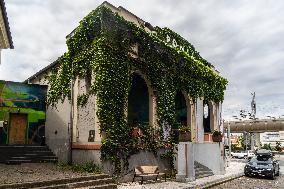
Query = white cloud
x=243 y=39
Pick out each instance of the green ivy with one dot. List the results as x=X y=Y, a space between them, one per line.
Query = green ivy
x=102 y=45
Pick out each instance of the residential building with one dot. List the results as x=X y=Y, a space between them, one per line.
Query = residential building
x=5 y=33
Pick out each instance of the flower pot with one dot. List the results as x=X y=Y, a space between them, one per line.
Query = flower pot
x=217 y=138
x=136 y=132
x=185 y=137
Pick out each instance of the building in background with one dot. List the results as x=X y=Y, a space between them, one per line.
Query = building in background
x=272 y=138
x=22 y=113
x=5 y=33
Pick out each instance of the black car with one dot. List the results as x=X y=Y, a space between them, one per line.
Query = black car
x=263 y=164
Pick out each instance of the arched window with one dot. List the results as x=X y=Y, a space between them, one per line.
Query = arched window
x=138 y=102
x=181 y=108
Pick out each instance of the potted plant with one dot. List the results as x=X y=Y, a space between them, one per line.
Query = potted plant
x=217 y=136
x=136 y=132
x=184 y=133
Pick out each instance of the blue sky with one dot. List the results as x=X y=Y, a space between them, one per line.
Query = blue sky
x=243 y=39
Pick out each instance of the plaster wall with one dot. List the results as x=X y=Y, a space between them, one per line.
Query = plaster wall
x=144 y=158
x=127 y=15
x=87 y=125
x=57 y=125
x=210 y=155
x=82 y=156
x=57 y=130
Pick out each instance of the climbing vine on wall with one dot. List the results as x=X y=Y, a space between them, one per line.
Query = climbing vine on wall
x=103 y=45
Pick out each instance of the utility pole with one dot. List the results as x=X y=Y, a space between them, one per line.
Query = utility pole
x=253 y=106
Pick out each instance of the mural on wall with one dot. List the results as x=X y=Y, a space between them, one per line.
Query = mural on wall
x=22 y=113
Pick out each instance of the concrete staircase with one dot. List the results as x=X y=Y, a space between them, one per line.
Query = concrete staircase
x=17 y=154
x=201 y=170
x=100 y=181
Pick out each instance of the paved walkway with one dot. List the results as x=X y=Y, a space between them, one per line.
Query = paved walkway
x=234 y=170
x=33 y=172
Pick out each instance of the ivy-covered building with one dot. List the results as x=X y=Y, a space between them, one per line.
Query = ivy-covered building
x=133 y=87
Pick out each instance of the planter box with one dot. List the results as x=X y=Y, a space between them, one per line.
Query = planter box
x=185 y=137
x=217 y=138
x=136 y=132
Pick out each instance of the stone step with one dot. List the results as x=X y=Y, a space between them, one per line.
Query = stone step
x=107 y=186
x=202 y=176
x=19 y=161
x=33 y=157
x=63 y=182
x=89 y=183
x=17 y=154
x=201 y=170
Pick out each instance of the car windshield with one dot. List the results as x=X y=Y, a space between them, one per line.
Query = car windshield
x=267 y=159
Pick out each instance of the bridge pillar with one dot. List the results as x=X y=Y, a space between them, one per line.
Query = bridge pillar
x=252 y=141
x=257 y=140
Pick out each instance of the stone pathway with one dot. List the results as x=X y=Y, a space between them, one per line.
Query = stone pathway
x=32 y=172
x=234 y=170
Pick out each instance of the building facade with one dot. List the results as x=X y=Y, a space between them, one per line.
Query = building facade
x=78 y=119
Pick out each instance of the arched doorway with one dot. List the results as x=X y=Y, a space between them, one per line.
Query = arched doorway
x=181 y=113
x=138 y=102
x=206 y=117
x=181 y=109
x=209 y=117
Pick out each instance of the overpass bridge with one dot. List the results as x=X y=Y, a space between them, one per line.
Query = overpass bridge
x=255 y=126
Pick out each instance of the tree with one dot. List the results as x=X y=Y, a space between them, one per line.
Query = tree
x=267 y=146
x=278 y=146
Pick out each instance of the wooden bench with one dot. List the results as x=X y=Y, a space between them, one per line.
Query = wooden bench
x=147 y=172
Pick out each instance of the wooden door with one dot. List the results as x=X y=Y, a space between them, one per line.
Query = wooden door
x=18 y=126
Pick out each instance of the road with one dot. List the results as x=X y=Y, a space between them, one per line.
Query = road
x=257 y=182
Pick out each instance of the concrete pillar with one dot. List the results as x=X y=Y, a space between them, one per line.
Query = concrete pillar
x=252 y=141
x=257 y=140
x=185 y=162
x=75 y=110
x=213 y=116
x=152 y=107
x=193 y=124
x=199 y=120
x=190 y=115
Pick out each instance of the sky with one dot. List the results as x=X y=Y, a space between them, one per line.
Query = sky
x=243 y=39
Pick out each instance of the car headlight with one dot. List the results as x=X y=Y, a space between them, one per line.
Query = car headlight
x=268 y=169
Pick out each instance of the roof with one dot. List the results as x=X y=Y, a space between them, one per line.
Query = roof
x=6 y=22
x=41 y=71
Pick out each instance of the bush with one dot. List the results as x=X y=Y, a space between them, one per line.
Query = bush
x=216 y=133
x=278 y=147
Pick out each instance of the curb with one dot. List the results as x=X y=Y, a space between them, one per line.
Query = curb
x=219 y=181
